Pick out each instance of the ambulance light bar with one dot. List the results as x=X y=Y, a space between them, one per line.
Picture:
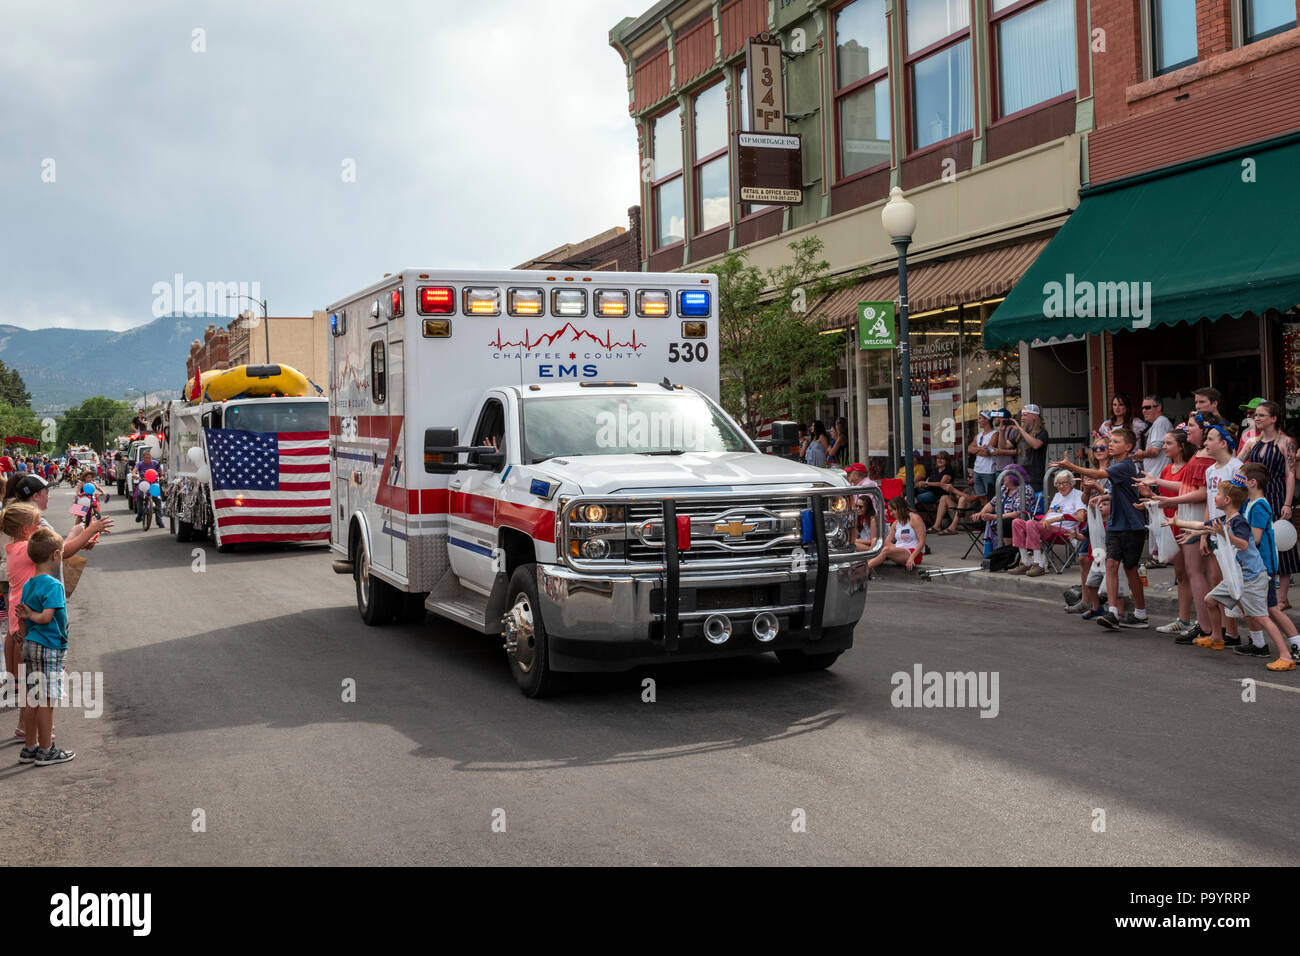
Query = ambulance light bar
x=436 y=300
x=611 y=302
x=525 y=301
x=569 y=302
x=652 y=302
x=482 y=301
x=693 y=303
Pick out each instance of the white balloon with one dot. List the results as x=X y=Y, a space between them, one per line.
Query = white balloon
x=195 y=455
x=203 y=473
x=144 y=487
x=1284 y=535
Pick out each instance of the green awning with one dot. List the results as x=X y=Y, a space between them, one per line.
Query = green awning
x=1212 y=237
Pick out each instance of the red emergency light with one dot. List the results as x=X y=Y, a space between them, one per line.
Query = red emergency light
x=437 y=300
x=395 y=303
x=683 y=532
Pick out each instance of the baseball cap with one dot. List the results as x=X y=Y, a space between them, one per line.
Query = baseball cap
x=1032 y=410
x=916 y=453
x=856 y=466
x=29 y=486
x=1252 y=404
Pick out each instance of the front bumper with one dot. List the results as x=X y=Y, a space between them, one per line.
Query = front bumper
x=616 y=622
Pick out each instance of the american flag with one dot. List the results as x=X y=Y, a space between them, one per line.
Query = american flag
x=270 y=486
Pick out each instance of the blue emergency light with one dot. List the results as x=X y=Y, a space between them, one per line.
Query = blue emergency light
x=693 y=303
x=807 y=534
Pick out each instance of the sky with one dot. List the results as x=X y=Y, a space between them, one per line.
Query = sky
x=134 y=149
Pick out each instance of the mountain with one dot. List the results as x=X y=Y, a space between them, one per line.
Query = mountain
x=64 y=366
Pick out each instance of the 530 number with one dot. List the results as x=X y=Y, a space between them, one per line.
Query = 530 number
x=688 y=351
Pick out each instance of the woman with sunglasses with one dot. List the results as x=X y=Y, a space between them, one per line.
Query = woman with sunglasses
x=1277 y=452
x=864 y=512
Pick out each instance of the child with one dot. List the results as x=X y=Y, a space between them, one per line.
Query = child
x=1253 y=603
x=1125 y=529
x=905 y=543
x=18 y=523
x=44 y=611
x=1218 y=441
x=1259 y=515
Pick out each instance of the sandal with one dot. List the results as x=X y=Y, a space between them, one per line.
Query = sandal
x=1281 y=665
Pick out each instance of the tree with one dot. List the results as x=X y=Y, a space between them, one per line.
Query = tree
x=775 y=363
x=94 y=422
x=13 y=390
x=18 y=421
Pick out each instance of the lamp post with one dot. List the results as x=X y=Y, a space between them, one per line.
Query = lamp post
x=899 y=219
x=265 y=320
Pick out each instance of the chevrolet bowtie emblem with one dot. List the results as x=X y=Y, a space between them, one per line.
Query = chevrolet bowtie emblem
x=733 y=529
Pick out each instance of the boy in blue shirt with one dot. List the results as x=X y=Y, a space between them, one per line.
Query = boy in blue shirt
x=43 y=614
x=1125 y=529
x=1259 y=515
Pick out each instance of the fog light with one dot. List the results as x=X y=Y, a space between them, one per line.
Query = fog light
x=596 y=548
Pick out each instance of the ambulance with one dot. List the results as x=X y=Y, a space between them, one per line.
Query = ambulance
x=541 y=456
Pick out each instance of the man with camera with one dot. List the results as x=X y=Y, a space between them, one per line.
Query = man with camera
x=1027 y=441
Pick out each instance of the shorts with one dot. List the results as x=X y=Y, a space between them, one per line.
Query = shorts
x=919 y=553
x=1272 y=592
x=985 y=484
x=44 y=671
x=1125 y=546
x=926 y=497
x=1254 y=597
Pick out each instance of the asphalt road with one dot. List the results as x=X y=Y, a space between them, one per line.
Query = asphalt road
x=223 y=692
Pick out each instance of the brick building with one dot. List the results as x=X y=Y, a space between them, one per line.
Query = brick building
x=978 y=109
x=614 y=250
x=1189 y=195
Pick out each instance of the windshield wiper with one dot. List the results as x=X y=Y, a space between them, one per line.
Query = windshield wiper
x=667 y=451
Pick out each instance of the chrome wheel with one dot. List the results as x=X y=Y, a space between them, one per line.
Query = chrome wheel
x=520 y=636
x=363 y=580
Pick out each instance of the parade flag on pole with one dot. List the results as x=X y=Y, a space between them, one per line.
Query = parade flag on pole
x=270 y=486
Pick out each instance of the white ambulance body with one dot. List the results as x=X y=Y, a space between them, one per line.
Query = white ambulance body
x=541 y=455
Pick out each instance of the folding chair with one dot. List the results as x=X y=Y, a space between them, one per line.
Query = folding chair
x=1073 y=546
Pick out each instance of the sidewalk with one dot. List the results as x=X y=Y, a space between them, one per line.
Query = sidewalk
x=947 y=550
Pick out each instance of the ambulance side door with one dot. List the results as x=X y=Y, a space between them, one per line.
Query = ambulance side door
x=472 y=532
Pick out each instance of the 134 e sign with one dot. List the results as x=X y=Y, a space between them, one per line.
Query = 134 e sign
x=766 y=91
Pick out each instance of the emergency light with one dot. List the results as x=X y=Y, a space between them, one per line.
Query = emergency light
x=695 y=330
x=436 y=328
x=693 y=303
x=651 y=302
x=569 y=302
x=338 y=323
x=395 y=303
x=525 y=301
x=437 y=300
x=611 y=302
x=481 y=301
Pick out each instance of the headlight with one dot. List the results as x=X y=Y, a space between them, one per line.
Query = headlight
x=593 y=512
x=596 y=514
x=839 y=503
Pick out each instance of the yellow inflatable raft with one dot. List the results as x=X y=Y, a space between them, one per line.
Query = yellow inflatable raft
x=250 y=381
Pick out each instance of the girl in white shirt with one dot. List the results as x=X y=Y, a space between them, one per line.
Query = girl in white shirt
x=905 y=543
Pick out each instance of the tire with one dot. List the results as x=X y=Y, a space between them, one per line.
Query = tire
x=530 y=659
x=182 y=531
x=375 y=598
x=148 y=514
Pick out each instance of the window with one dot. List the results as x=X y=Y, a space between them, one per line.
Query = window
x=1263 y=18
x=666 y=181
x=1035 y=53
x=712 y=179
x=742 y=124
x=939 y=69
x=491 y=429
x=378 y=378
x=1173 y=35
x=862 y=86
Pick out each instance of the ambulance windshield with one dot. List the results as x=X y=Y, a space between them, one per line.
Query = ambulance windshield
x=625 y=425
x=279 y=417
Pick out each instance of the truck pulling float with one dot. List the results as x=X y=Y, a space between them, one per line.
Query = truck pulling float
x=542 y=457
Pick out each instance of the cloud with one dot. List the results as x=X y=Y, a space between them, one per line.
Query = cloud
x=481 y=135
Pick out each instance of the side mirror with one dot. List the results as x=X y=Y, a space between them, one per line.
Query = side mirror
x=441 y=454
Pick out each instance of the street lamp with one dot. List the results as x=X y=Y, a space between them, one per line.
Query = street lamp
x=899 y=219
x=265 y=321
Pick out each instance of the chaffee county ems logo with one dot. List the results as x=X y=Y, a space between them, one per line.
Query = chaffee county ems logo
x=568 y=352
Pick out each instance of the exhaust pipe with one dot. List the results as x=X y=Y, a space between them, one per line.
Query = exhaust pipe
x=766 y=626
x=717 y=628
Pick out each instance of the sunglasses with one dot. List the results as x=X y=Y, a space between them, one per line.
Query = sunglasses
x=1147 y=408
x=1098 y=447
